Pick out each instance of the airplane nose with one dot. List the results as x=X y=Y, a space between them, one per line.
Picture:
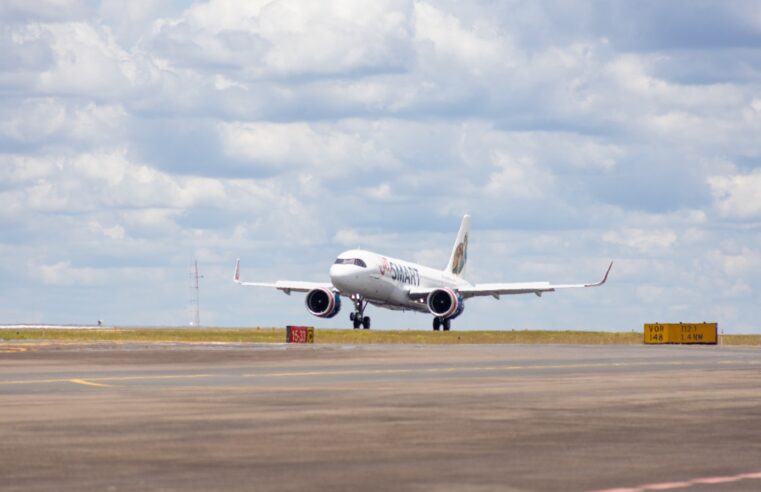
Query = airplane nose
x=340 y=275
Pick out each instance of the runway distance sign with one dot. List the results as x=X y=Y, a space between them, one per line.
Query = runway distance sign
x=683 y=333
x=299 y=334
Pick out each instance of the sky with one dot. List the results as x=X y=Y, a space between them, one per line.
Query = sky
x=138 y=136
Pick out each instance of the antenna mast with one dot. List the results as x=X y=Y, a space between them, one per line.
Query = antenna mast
x=194 y=277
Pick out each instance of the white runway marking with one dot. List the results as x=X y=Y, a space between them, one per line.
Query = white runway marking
x=687 y=483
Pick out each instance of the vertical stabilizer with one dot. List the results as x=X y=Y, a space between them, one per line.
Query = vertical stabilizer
x=459 y=256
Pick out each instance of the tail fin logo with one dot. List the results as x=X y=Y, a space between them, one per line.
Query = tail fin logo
x=460 y=256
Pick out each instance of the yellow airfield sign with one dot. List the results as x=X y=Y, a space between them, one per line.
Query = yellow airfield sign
x=706 y=333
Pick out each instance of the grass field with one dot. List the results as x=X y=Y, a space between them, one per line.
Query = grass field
x=277 y=335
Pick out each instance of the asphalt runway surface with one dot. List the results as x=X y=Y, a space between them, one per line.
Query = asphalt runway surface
x=118 y=417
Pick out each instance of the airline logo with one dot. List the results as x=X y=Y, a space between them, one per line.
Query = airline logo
x=400 y=273
x=460 y=256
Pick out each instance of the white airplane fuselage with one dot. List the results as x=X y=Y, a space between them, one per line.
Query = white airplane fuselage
x=387 y=280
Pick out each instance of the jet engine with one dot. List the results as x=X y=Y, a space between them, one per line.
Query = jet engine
x=445 y=303
x=323 y=303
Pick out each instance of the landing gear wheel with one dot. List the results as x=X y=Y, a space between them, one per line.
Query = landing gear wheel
x=445 y=325
x=436 y=323
x=358 y=317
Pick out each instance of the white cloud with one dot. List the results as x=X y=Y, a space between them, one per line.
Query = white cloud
x=353 y=238
x=744 y=263
x=64 y=274
x=331 y=149
x=562 y=151
x=519 y=177
x=284 y=37
x=113 y=232
x=381 y=192
x=145 y=198
x=643 y=240
x=222 y=83
x=223 y=15
x=112 y=180
x=88 y=62
x=348 y=237
x=737 y=196
x=477 y=47
x=677 y=298
x=132 y=20
x=23 y=169
x=47 y=120
x=135 y=11
x=42 y=9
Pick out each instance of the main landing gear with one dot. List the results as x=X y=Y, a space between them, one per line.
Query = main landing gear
x=440 y=323
x=358 y=316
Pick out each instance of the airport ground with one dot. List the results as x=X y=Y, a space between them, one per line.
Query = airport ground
x=244 y=416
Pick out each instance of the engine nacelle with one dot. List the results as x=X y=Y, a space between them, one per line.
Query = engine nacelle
x=445 y=303
x=323 y=303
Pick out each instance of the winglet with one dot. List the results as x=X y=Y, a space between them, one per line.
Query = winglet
x=236 y=275
x=604 y=279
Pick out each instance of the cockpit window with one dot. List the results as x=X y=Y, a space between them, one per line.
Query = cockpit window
x=351 y=261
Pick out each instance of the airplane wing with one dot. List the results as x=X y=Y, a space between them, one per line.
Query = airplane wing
x=286 y=286
x=498 y=289
x=538 y=288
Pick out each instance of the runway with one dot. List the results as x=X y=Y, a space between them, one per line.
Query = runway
x=328 y=417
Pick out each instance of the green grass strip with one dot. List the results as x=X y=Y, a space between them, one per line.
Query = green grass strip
x=324 y=335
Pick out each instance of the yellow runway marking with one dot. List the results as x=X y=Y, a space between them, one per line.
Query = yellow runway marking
x=106 y=378
x=89 y=383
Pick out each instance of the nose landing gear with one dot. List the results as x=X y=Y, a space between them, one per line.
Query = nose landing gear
x=358 y=316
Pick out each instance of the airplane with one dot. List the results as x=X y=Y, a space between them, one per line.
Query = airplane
x=366 y=278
